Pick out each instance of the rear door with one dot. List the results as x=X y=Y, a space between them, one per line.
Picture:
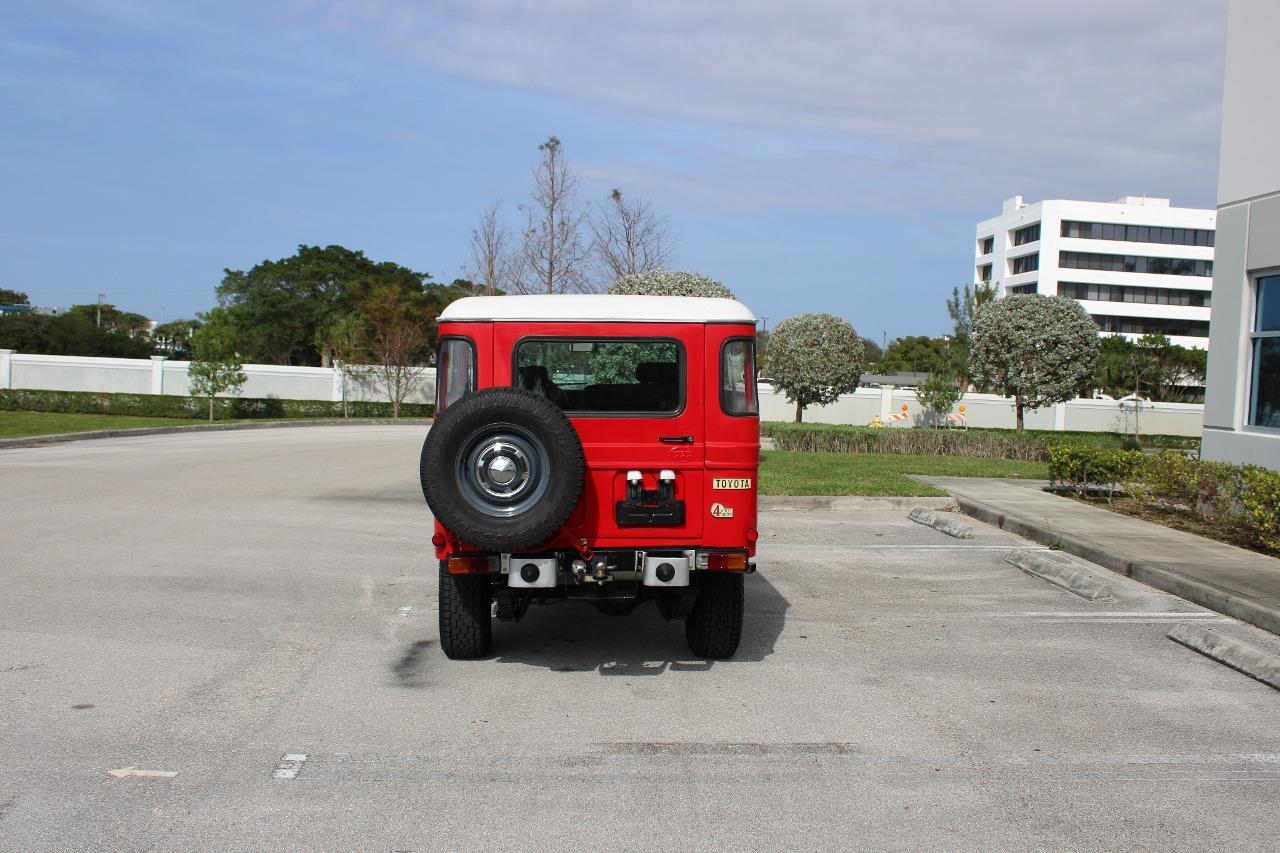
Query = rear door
x=634 y=392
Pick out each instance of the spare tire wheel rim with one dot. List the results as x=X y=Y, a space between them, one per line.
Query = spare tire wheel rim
x=503 y=470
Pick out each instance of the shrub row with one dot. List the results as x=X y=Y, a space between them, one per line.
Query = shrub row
x=839 y=438
x=169 y=406
x=1031 y=445
x=1240 y=498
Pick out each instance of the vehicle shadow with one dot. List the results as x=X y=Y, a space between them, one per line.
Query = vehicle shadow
x=574 y=637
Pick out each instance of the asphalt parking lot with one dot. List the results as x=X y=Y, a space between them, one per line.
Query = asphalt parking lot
x=221 y=605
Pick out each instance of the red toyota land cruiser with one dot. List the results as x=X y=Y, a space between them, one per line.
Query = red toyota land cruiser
x=602 y=448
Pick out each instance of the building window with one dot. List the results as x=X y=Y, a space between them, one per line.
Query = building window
x=1135 y=263
x=1137 y=233
x=1264 y=405
x=1033 y=287
x=986 y=245
x=984 y=273
x=1152 y=326
x=1026 y=234
x=1140 y=295
x=1026 y=263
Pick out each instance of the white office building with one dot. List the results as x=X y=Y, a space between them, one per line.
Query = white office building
x=1137 y=265
x=1242 y=403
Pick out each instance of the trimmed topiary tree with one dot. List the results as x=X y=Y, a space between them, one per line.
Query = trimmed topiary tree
x=669 y=283
x=1037 y=349
x=813 y=359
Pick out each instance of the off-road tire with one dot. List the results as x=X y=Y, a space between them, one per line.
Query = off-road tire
x=714 y=628
x=542 y=422
x=466 y=624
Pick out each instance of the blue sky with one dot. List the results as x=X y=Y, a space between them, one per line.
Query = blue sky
x=814 y=156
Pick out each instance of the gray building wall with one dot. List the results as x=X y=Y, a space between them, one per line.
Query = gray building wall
x=1248 y=239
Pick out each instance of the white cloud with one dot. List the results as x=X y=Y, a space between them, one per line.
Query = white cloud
x=964 y=102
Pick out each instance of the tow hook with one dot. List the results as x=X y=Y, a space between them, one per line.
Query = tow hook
x=579 y=571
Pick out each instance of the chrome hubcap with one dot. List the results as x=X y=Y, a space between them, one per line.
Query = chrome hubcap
x=502 y=469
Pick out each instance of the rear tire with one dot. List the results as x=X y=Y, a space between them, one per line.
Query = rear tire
x=714 y=628
x=466 y=623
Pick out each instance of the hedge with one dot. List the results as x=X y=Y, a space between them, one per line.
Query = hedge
x=839 y=438
x=1240 y=498
x=171 y=406
x=1030 y=445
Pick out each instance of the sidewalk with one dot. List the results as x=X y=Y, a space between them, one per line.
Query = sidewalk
x=1221 y=577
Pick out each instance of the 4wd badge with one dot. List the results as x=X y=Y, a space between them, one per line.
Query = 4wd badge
x=719 y=510
x=727 y=483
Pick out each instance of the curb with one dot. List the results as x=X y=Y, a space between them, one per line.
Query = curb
x=1161 y=577
x=61 y=437
x=819 y=503
x=1060 y=572
x=949 y=526
x=1229 y=651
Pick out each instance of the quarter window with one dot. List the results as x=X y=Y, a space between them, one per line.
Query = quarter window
x=455 y=371
x=603 y=376
x=738 y=378
x=1264 y=407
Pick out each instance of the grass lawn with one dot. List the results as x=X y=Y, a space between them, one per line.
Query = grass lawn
x=19 y=424
x=788 y=473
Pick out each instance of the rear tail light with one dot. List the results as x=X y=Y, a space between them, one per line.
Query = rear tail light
x=726 y=562
x=467 y=565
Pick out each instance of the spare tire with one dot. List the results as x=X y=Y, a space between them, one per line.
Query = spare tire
x=502 y=469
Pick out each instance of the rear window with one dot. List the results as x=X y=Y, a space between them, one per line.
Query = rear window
x=738 y=377
x=602 y=376
x=455 y=371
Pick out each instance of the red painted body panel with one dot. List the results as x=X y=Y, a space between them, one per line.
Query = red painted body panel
x=724 y=446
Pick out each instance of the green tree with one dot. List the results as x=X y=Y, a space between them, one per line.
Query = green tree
x=68 y=334
x=669 y=283
x=1151 y=367
x=174 y=337
x=871 y=355
x=1037 y=349
x=110 y=317
x=914 y=354
x=280 y=310
x=216 y=368
x=939 y=393
x=13 y=297
x=963 y=307
x=814 y=358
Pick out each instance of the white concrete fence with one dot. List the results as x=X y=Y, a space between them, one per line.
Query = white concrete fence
x=161 y=376
x=992 y=410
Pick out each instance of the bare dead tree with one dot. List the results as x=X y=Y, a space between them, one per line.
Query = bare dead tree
x=492 y=266
x=394 y=343
x=553 y=254
x=628 y=237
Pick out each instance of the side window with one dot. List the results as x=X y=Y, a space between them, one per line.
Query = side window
x=1264 y=408
x=602 y=375
x=455 y=371
x=738 y=377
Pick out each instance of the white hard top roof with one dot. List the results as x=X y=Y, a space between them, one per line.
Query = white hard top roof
x=599 y=307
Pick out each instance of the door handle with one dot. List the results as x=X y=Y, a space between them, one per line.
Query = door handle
x=676 y=439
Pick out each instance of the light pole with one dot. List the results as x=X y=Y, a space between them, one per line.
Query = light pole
x=101 y=296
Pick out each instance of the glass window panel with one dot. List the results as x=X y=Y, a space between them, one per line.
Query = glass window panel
x=603 y=375
x=738 y=378
x=1268 y=319
x=1264 y=409
x=455 y=372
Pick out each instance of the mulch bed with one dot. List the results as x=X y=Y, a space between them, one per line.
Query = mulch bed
x=1178 y=518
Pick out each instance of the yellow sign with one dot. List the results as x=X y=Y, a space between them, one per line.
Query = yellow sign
x=724 y=483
